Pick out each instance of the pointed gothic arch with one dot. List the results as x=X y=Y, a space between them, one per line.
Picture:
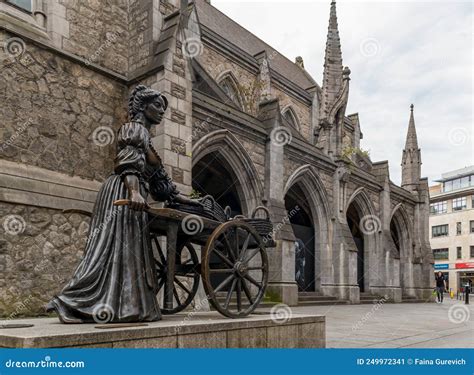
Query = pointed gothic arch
x=305 y=188
x=365 y=227
x=229 y=84
x=224 y=148
x=402 y=235
x=290 y=117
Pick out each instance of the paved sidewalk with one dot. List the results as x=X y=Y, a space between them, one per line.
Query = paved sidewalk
x=402 y=325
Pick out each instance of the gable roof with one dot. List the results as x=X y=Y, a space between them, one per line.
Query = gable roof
x=222 y=25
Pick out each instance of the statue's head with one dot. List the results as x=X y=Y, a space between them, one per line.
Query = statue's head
x=147 y=104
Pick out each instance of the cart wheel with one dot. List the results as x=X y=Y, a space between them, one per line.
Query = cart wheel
x=234 y=260
x=186 y=281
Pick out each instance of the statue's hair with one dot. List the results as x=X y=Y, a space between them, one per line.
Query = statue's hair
x=140 y=96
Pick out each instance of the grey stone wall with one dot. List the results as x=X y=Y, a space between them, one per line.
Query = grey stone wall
x=93 y=31
x=58 y=115
x=39 y=249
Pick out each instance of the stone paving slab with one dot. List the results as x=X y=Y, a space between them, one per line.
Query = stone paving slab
x=391 y=325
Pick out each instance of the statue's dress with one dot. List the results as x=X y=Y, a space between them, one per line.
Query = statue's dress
x=115 y=280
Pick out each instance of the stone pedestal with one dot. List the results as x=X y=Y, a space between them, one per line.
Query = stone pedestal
x=184 y=330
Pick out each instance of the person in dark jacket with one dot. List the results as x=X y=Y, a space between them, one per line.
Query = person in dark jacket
x=440 y=286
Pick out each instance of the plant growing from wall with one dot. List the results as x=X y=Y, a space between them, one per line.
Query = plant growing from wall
x=349 y=152
x=251 y=95
x=195 y=194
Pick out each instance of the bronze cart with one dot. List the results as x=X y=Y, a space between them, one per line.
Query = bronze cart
x=233 y=261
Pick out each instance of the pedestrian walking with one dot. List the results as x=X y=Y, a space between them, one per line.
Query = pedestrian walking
x=440 y=287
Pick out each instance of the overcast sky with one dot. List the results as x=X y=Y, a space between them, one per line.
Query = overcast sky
x=399 y=53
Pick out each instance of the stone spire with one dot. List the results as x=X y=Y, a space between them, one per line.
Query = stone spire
x=332 y=76
x=411 y=159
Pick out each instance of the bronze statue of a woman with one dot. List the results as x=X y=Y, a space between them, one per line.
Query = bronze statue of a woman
x=115 y=280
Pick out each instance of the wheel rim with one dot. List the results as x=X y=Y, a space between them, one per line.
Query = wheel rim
x=237 y=253
x=186 y=281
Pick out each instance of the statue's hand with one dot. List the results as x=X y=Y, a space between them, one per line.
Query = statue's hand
x=137 y=202
x=185 y=200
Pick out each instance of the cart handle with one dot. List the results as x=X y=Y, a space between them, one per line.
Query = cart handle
x=122 y=202
x=261 y=208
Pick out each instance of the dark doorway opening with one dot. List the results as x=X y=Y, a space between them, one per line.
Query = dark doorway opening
x=394 y=234
x=299 y=214
x=213 y=175
x=353 y=220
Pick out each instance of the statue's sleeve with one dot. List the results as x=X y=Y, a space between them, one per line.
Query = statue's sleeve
x=132 y=145
x=162 y=187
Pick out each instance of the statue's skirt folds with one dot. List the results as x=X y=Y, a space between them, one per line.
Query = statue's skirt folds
x=115 y=280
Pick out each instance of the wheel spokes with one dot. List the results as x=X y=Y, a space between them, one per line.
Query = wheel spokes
x=229 y=294
x=255 y=252
x=160 y=252
x=236 y=236
x=220 y=270
x=229 y=247
x=224 y=258
x=252 y=280
x=182 y=286
x=224 y=283
x=239 y=294
x=247 y=292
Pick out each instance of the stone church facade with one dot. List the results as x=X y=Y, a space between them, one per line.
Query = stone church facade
x=244 y=123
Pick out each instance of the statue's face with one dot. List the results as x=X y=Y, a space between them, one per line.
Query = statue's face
x=155 y=110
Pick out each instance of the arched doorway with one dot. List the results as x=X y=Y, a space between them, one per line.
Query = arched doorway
x=302 y=223
x=353 y=221
x=401 y=236
x=394 y=232
x=212 y=175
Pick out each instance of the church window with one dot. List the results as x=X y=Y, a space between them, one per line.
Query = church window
x=229 y=86
x=289 y=117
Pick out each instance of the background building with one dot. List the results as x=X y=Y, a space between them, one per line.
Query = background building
x=244 y=124
x=452 y=226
